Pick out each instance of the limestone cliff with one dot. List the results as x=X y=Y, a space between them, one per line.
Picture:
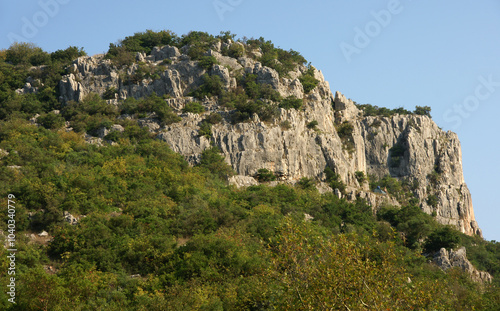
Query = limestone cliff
x=427 y=157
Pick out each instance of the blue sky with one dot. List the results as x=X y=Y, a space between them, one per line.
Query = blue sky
x=443 y=54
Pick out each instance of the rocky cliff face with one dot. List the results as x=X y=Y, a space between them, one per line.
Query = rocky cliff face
x=458 y=259
x=409 y=147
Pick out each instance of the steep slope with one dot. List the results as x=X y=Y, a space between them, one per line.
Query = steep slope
x=327 y=131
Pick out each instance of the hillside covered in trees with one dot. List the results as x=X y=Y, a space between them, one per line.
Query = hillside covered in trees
x=128 y=224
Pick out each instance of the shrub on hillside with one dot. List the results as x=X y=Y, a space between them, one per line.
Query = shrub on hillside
x=309 y=82
x=334 y=180
x=207 y=62
x=213 y=161
x=193 y=107
x=443 y=237
x=27 y=54
x=291 y=102
x=244 y=111
x=264 y=175
x=51 y=120
x=211 y=86
x=423 y=111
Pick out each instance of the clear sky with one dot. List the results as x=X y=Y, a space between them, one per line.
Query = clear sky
x=443 y=54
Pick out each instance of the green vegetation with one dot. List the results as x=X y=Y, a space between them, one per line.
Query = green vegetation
x=396 y=153
x=312 y=125
x=159 y=234
x=434 y=177
x=409 y=220
x=110 y=93
x=144 y=41
x=345 y=131
x=206 y=124
x=334 y=180
x=256 y=90
x=198 y=43
x=251 y=97
x=184 y=231
x=446 y=236
x=360 y=177
x=291 y=102
x=193 y=107
x=213 y=163
x=205 y=129
x=285 y=125
x=370 y=110
x=150 y=104
x=51 y=120
x=423 y=111
x=244 y=111
x=207 y=62
x=234 y=50
x=15 y=68
x=309 y=82
x=264 y=175
x=255 y=94
x=212 y=86
x=306 y=183
x=214 y=118
x=432 y=200
x=280 y=60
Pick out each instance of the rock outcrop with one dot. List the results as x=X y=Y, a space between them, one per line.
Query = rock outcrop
x=446 y=260
x=427 y=158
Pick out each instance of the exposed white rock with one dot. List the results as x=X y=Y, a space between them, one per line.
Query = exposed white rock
x=72 y=220
x=446 y=260
x=103 y=131
x=242 y=181
x=161 y=53
x=308 y=217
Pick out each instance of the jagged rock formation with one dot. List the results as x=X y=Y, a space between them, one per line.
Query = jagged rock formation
x=446 y=260
x=428 y=158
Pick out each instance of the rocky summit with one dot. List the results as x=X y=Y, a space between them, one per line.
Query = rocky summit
x=325 y=130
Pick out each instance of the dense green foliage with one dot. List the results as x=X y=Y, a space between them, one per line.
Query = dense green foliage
x=291 y=102
x=155 y=233
x=280 y=60
x=206 y=62
x=193 y=107
x=15 y=68
x=308 y=81
x=312 y=125
x=396 y=153
x=423 y=111
x=345 y=131
x=263 y=175
x=370 y=110
x=334 y=180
